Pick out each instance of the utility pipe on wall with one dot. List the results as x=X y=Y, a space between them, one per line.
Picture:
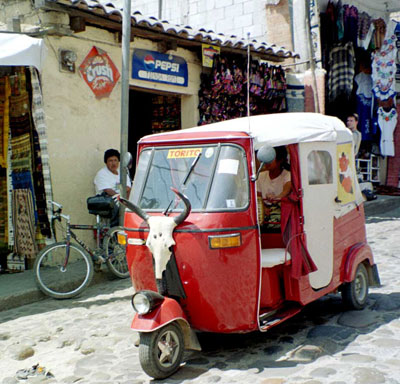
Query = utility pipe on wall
x=126 y=39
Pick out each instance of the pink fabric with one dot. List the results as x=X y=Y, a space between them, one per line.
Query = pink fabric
x=291 y=225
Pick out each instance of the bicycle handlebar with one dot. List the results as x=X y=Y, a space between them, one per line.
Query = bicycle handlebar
x=59 y=206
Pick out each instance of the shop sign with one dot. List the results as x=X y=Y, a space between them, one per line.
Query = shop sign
x=99 y=72
x=159 y=68
x=208 y=52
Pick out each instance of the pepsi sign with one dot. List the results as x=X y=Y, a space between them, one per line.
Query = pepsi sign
x=159 y=67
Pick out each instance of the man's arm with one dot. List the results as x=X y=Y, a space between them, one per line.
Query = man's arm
x=109 y=191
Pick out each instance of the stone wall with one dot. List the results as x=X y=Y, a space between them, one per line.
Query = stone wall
x=230 y=17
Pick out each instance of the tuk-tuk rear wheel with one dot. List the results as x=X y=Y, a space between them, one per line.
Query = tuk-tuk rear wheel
x=355 y=293
x=161 y=351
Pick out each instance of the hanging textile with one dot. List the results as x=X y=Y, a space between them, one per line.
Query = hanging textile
x=341 y=62
x=292 y=231
x=364 y=104
x=40 y=126
x=5 y=92
x=380 y=32
x=365 y=30
x=9 y=196
x=3 y=208
x=350 y=22
x=387 y=123
x=24 y=223
x=295 y=92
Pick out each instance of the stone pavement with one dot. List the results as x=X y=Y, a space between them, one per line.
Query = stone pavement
x=20 y=289
x=88 y=339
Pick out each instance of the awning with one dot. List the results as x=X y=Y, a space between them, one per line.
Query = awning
x=21 y=50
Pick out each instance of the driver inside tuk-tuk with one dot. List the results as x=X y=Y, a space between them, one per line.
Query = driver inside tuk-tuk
x=274 y=183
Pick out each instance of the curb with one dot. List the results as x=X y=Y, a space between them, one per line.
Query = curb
x=25 y=291
x=381 y=205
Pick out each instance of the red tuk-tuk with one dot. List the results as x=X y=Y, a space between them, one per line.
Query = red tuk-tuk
x=198 y=257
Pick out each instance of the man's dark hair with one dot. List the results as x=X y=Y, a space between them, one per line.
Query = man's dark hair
x=355 y=115
x=110 y=153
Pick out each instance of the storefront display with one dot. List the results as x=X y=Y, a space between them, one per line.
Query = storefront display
x=24 y=224
x=166 y=113
x=360 y=53
x=223 y=93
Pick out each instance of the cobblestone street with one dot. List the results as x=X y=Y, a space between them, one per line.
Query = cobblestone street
x=89 y=340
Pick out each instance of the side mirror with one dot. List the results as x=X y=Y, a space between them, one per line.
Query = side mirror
x=265 y=155
x=127 y=160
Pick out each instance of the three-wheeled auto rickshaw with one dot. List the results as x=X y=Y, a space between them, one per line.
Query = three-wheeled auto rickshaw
x=198 y=256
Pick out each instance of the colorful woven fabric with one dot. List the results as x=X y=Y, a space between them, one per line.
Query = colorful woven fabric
x=24 y=225
x=19 y=105
x=3 y=209
x=21 y=157
x=5 y=92
x=38 y=118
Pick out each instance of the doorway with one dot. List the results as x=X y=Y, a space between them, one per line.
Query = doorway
x=151 y=113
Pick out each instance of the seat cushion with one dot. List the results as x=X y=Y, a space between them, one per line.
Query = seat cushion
x=273 y=256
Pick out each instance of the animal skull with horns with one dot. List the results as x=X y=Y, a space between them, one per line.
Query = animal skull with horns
x=160 y=237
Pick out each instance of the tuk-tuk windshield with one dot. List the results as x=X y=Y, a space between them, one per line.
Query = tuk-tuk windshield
x=218 y=180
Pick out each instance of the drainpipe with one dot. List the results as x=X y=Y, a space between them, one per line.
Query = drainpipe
x=160 y=9
x=126 y=39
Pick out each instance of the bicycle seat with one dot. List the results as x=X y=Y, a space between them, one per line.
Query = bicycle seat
x=101 y=205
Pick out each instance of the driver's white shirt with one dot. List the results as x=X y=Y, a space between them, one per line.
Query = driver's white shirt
x=105 y=179
x=272 y=187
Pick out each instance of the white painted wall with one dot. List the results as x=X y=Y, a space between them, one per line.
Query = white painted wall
x=230 y=17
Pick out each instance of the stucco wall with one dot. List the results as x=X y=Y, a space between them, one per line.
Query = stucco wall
x=81 y=127
x=279 y=24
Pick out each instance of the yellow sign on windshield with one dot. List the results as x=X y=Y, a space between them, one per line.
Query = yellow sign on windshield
x=182 y=153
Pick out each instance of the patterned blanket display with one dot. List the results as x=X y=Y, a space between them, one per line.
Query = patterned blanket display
x=24 y=189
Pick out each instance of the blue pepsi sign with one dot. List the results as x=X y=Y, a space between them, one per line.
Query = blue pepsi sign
x=159 y=68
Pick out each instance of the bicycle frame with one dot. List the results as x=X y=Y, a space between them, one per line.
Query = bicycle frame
x=70 y=233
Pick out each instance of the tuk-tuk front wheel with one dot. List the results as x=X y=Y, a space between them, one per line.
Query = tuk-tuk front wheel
x=161 y=351
x=355 y=293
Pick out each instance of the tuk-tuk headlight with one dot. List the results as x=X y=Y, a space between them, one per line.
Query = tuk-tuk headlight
x=144 y=302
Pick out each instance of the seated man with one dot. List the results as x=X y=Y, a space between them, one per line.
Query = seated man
x=107 y=179
x=274 y=183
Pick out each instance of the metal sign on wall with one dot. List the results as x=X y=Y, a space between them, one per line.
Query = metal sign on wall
x=99 y=72
x=159 y=67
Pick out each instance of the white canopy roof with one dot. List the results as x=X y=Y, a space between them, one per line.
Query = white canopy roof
x=18 y=49
x=281 y=128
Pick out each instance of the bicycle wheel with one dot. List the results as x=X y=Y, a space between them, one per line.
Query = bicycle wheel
x=116 y=254
x=58 y=282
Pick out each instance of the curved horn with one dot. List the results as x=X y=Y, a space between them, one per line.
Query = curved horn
x=185 y=213
x=135 y=208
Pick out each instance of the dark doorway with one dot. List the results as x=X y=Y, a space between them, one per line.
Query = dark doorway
x=151 y=113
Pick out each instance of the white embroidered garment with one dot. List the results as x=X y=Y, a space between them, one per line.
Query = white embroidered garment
x=364 y=84
x=384 y=66
x=387 y=123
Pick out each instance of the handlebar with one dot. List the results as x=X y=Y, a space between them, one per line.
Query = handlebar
x=59 y=206
x=57 y=215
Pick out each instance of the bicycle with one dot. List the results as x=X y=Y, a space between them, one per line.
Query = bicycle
x=64 y=269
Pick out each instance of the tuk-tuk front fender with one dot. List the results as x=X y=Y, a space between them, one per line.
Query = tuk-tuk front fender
x=358 y=253
x=167 y=312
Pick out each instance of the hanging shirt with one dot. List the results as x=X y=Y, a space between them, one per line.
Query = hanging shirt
x=387 y=123
x=342 y=62
x=384 y=66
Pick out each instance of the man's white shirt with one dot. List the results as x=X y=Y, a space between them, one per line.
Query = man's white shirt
x=105 y=179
